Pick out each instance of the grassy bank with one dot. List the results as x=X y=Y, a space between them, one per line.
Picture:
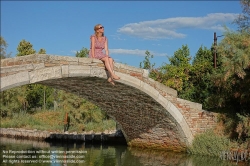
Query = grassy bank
x=211 y=144
x=230 y=134
x=215 y=145
x=53 y=121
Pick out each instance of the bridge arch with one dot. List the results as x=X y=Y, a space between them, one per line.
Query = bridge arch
x=148 y=113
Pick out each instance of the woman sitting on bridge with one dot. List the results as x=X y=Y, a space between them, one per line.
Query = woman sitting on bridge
x=98 y=43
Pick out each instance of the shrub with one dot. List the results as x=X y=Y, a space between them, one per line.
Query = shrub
x=210 y=144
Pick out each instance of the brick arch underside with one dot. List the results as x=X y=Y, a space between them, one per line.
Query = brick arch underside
x=143 y=121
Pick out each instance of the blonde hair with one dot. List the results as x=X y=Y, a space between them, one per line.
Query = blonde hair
x=96 y=28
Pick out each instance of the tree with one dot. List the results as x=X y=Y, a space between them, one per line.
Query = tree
x=235 y=51
x=200 y=76
x=176 y=74
x=80 y=111
x=233 y=80
x=39 y=96
x=36 y=95
x=3 y=48
x=82 y=53
x=25 y=48
x=42 y=51
x=9 y=103
x=243 y=20
x=146 y=62
x=181 y=57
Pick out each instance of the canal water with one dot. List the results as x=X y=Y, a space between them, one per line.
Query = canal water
x=39 y=153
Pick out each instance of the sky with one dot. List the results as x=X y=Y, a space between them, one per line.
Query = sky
x=132 y=27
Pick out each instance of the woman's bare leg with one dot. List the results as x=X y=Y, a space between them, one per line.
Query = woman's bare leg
x=111 y=62
x=109 y=68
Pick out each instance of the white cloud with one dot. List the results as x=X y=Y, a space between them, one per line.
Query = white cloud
x=117 y=37
x=126 y=51
x=167 y=28
x=134 y=52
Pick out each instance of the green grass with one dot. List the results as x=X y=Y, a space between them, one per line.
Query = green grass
x=101 y=126
x=210 y=144
x=52 y=121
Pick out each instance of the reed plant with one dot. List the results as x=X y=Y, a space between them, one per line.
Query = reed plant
x=210 y=144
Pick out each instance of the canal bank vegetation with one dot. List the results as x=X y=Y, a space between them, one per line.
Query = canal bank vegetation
x=211 y=144
x=48 y=120
x=219 y=79
x=44 y=108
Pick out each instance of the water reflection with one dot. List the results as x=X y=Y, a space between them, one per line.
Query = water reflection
x=67 y=154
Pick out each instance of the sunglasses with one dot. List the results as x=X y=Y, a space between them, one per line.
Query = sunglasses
x=101 y=27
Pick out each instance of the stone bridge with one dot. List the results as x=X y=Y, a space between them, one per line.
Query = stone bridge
x=149 y=114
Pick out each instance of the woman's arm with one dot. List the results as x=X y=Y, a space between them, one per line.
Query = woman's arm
x=92 y=47
x=106 y=47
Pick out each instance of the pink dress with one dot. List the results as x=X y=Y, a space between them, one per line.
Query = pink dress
x=99 y=46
